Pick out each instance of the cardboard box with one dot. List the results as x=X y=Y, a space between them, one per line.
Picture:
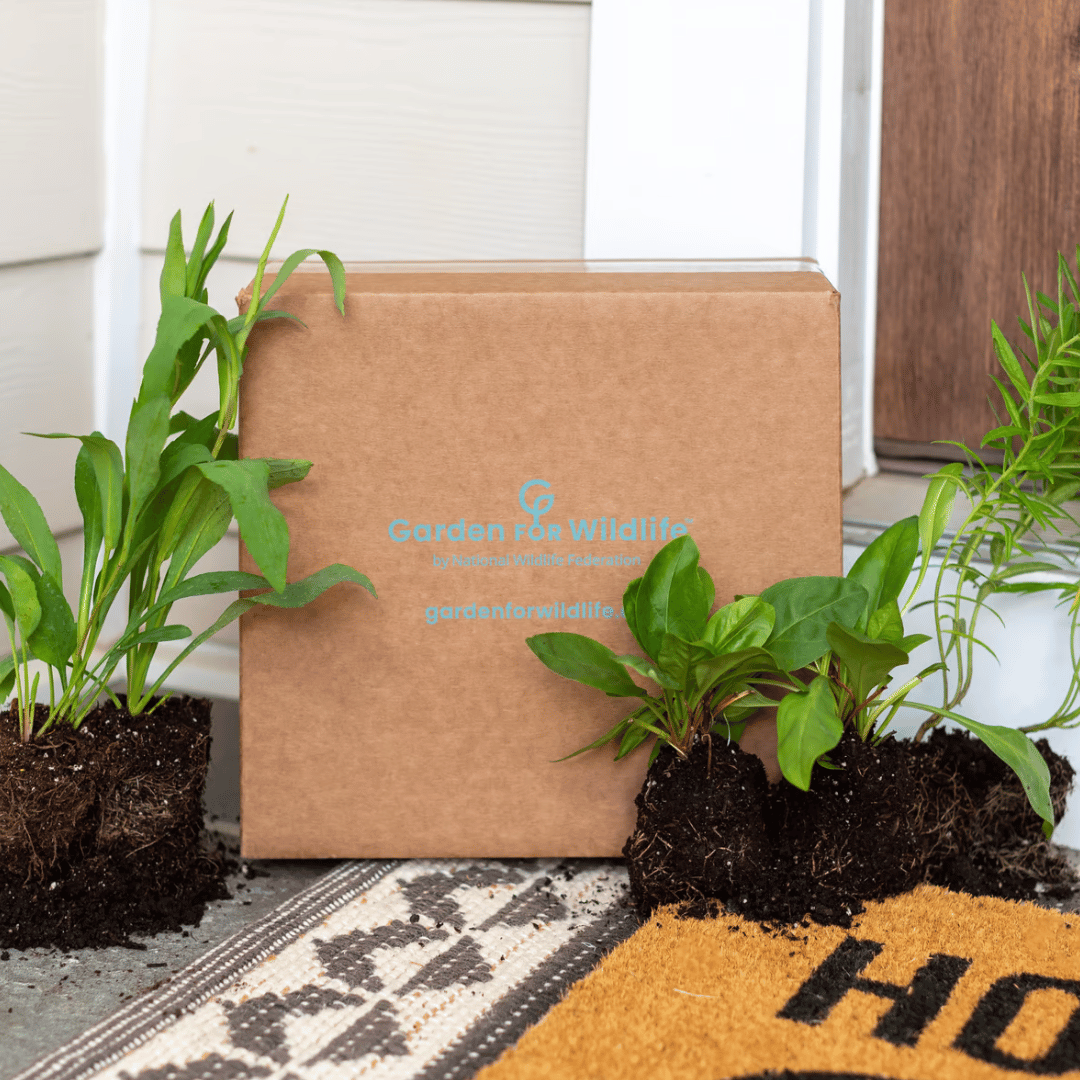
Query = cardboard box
x=502 y=448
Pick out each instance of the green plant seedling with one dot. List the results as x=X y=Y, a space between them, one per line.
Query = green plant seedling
x=152 y=509
x=699 y=665
x=829 y=644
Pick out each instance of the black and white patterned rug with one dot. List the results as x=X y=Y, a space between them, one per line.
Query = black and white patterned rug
x=425 y=969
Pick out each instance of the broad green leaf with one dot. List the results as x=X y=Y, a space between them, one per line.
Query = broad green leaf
x=743 y=624
x=26 y=522
x=886 y=624
x=108 y=465
x=911 y=642
x=630 y=609
x=181 y=318
x=1007 y=359
x=585 y=661
x=708 y=586
x=807 y=726
x=672 y=598
x=804 y=608
x=1022 y=756
x=675 y=658
x=262 y=524
x=7 y=608
x=54 y=638
x=884 y=567
x=148 y=430
x=868 y=662
x=23 y=592
x=286 y=471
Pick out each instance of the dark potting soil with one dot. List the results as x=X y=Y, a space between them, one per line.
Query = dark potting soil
x=712 y=831
x=101 y=829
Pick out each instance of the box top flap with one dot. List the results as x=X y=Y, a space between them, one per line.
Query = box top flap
x=571 y=276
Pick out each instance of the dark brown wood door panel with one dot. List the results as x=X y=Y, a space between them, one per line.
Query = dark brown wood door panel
x=980 y=180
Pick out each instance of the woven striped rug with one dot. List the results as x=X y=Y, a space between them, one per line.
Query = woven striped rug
x=423 y=969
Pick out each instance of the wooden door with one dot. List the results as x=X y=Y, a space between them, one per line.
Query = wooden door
x=980 y=180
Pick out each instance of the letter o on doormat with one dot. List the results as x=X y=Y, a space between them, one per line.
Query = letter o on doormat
x=931 y=984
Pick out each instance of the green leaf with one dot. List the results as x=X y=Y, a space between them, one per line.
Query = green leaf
x=25 y=520
x=108 y=467
x=54 y=638
x=886 y=624
x=212 y=257
x=672 y=598
x=884 y=567
x=1065 y=399
x=937 y=506
x=868 y=662
x=296 y=594
x=333 y=264
x=648 y=670
x=174 y=270
x=585 y=661
x=262 y=524
x=177 y=458
x=206 y=518
x=630 y=609
x=675 y=659
x=202 y=238
x=89 y=499
x=176 y=632
x=213 y=583
x=729 y=669
x=7 y=677
x=1007 y=359
x=910 y=643
x=807 y=726
x=23 y=594
x=7 y=608
x=181 y=318
x=743 y=624
x=1022 y=756
x=300 y=593
x=148 y=430
x=286 y=471
x=804 y=608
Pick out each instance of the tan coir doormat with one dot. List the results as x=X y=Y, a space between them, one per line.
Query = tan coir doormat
x=931 y=985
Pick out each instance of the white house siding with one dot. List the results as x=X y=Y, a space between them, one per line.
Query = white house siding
x=50 y=225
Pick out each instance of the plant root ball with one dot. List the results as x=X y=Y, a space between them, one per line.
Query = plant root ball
x=700 y=827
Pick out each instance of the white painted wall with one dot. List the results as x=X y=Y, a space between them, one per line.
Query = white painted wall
x=722 y=129
x=50 y=226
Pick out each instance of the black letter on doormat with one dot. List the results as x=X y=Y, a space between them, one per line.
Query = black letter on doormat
x=997 y=1010
x=914 y=1006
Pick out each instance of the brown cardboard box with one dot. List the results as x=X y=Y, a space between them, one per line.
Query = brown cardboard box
x=502 y=449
